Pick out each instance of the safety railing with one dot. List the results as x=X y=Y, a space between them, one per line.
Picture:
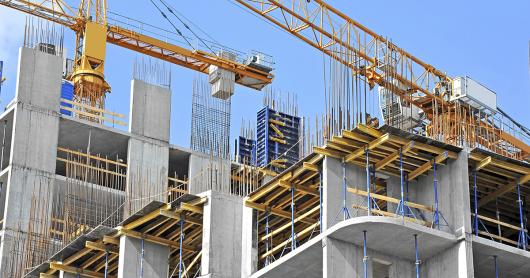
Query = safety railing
x=90 y=113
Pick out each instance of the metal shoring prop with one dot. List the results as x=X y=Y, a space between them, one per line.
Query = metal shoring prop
x=181 y=243
x=368 y=189
x=523 y=240
x=344 y=209
x=365 y=258
x=417 y=262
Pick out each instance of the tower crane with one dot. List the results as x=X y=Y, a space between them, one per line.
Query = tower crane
x=384 y=64
x=93 y=31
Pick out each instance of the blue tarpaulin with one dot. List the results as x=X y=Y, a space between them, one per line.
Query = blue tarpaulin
x=67 y=92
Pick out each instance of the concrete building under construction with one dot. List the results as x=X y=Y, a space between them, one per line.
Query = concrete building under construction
x=435 y=185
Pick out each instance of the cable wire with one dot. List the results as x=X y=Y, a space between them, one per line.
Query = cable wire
x=172 y=24
x=170 y=9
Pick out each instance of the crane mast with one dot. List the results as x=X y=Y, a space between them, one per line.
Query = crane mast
x=89 y=63
x=380 y=62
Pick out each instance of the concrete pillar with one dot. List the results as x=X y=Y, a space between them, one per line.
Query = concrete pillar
x=457 y=261
x=221 y=249
x=153 y=263
x=332 y=194
x=148 y=148
x=33 y=150
x=249 y=244
x=208 y=173
x=150 y=110
x=393 y=189
x=343 y=259
x=454 y=205
x=453 y=194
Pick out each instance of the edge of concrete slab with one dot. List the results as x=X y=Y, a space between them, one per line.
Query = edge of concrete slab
x=390 y=236
x=511 y=261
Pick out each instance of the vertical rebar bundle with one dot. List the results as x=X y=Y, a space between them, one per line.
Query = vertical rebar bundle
x=210 y=122
x=152 y=71
x=44 y=36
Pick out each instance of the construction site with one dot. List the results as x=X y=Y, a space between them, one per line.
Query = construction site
x=407 y=172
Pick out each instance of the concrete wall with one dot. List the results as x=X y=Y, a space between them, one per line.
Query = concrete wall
x=457 y=261
x=148 y=148
x=33 y=149
x=153 y=265
x=332 y=194
x=343 y=259
x=221 y=244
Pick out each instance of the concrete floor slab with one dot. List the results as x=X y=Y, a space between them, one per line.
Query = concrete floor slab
x=512 y=262
x=304 y=262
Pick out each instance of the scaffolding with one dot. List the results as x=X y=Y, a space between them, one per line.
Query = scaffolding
x=499 y=187
x=177 y=225
x=289 y=207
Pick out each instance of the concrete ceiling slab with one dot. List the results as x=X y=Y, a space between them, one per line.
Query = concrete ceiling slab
x=392 y=236
x=74 y=134
x=511 y=261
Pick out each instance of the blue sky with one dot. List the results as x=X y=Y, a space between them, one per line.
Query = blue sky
x=487 y=40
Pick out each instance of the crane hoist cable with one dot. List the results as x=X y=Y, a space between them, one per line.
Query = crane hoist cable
x=196 y=26
x=170 y=9
x=172 y=24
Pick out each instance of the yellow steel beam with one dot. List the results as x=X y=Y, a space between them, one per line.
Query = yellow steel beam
x=372 y=145
x=155 y=239
x=177 y=216
x=483 y=163
x=428 y=165
x=195 y=60
x=393 y=156
x=503 y=190
x=328 y=152
x=150 y=216
x=299 y=218
x=300 y=188
x=80 y=271
x=102 y=247
x=275 y=211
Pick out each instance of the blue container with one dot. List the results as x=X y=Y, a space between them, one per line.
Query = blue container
x=67 y=92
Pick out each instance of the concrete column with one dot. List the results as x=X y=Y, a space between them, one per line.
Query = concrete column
x=148 y=149
x=33 y=150
x=147 y=173
x=457 y=261
x=221 y=251
x=332 y=194
x=150 y=110
x=153 y=263
x=343 y=259
x=454 y=205
x=208 y=173
x=393 y=189
x=453 y=194
x=249 y=244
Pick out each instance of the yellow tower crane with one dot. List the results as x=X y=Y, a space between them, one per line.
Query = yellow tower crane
x=93 y=32
x=414 y=81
